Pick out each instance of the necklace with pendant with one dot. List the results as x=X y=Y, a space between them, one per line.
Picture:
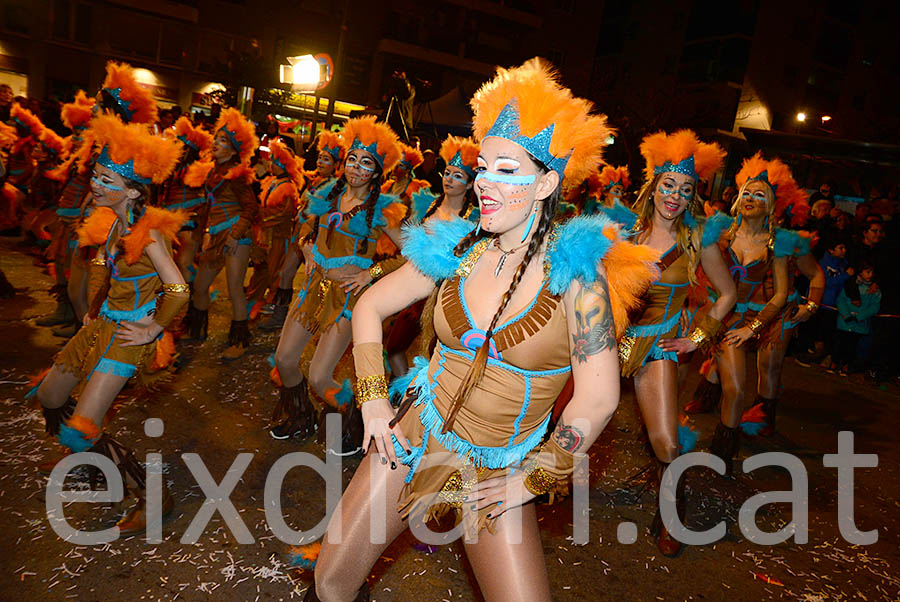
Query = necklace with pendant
x=506 y=254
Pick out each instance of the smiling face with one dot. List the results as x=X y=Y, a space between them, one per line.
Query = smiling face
x=456 y=181
x=614 y=194
x=508 y=183
x=109 y=189
x=222 y=150
x=360 y=167
x=755 y=199
x=325 y=164
x=674 y=191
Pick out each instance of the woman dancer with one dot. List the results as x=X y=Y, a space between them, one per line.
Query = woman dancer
x=758 y=254
x=124 y=334
x=607 y=188
x=328 y=162
x=402 y=184
x=522 y=304
x=666 y=220
x=347 y=216
x=231 y=210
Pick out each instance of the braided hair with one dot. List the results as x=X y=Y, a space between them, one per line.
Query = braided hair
x=468 y=201
x=334 y=198
x=476 y=369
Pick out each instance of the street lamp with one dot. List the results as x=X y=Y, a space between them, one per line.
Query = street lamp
x=304 y=73
x=826 y=118
x=801 y=117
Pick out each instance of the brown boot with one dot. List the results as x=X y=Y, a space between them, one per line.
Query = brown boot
x=238 y=341
x=63 y=314
x=725 y=444
x=135 y=521
x=300 y=416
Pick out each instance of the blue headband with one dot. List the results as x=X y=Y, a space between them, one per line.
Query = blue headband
x=457 y=161
x=371 y=148
x=126 y=170
x=125 y=104
x=685 y=166
x=184 y=139
x=611 y=184
x=334 y=151
x=278 y=163
x=538 y=146
x=234 y=141
x=764 y=177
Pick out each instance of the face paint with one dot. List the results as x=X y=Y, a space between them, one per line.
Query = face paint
x=759 y=195
x=353 y=160
x=667 y=189
x=506 y=179
x=459 y=177
x=98 y=182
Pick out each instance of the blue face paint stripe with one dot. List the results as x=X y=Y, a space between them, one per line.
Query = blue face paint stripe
x=506 y=178
x=107 y=186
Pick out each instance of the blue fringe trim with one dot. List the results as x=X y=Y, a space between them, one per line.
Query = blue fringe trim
x=578 y=248
x=430 y=248
x=399 y=385
x=213 y=230
x=480 y=456
x=619 y=213
x=652 y=330
x=714 y=227
x=687 y=438
x=421 y=201
x=318 y=206
x=122 y=315
x=73 y=439
x=656 y=353
x=108 y=366
x=329 y=263
x=187 y=204
x=68 y=211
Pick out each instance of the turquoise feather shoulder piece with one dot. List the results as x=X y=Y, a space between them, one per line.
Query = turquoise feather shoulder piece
x=430 y=246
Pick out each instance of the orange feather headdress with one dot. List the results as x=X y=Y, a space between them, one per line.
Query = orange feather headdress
x=194 y=137
x=240 y=131
x=7 y=135
x=26 y=120
x=411 y=157
x=331 y=143
x=134 y=103
x=461 y=153
x=52 y=142
x=528 y=106
x=376 y=138
x=133 y=152
x=681 y=152
x=286 y=160
x=76 y=115
x=609 y=176
x=790 y=199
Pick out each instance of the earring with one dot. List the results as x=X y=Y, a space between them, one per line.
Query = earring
x=528 y=227
x=478 y=229
x=130 y=215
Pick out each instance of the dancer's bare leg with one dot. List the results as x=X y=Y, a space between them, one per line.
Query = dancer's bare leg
x=769 y=363
x=291 y=265
x=56 y=387
x=732 y=364
x=235 y=270
x=511 y=571
x=656 y=389
x=202 y=282
x=98 y=395
x=186 y=253
x=78 y=289
x=342 y=568
x=293 y=340
x=331 y=348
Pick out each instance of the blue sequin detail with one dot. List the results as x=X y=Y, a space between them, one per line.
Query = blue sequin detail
x=126 y=170
x=234 y=141
x=764 y=177
x=507 y=126
x=371 y=148
x=457 y=161
x=685 y=166
x=125 y=104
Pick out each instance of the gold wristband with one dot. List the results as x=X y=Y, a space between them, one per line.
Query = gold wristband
x=812 y=307
x=756 y=325
x=539 y=482
x=699 y=337
x=371 y=387
x=376 y=271
x=176 y=288
x=98 y=261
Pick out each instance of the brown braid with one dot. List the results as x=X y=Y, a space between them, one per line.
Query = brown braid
x=374 y=193
x=479 y=363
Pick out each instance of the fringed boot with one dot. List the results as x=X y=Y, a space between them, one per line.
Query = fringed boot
x=282 y=304
x=198 y=323
x=725 y=444
x=300 y=416
x=64 y=312
x=760 y=418
x=706 y=398
x=342 y=401
x=238 y=340
x=54 y=418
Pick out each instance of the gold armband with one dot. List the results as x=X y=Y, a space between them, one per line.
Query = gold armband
x=101 y=261
x=812 y=307
x=176 y=288
x=705 y=332
x=173 y=299
x=699 y=337
x=376 y=271
x=539 y=482
x=371 y=387
x=755 y=325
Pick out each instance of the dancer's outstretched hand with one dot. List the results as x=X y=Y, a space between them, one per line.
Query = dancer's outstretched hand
x=682 y=345
x=506 y=492
x=377 y=415
x=130 y=334
x=738 y=336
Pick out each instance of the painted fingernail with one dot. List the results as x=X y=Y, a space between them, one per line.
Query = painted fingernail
x=472 y=507
x=384 y=460
x=490 y=515
x=499 y=503
x=393 y=466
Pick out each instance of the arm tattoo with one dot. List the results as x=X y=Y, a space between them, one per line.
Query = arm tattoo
x=568 y=437
x=594 y=328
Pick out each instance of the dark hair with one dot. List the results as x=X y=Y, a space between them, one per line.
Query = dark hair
x=468 y=201
x=476 y=369
x=334 y=198
x=834 y=243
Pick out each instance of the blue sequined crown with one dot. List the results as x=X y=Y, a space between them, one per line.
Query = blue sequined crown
x=538 y=146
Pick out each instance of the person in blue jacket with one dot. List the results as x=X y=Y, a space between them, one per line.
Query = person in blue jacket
x=854 y=319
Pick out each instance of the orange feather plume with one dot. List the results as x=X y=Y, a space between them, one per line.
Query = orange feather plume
x=788 y=196
x=154 y=157
x=95 y=228
x=140 y=103
x=26 y=119
x=78 y=113
x=166 y=222
x=282 y=154
x=84 y=425
x=466 y=147
x=614 y=174
x=165 y=351
x=331 y=140
x=242 y=131
x=630 y=269
x=366 y=130
x=411 y=155
x=661 y=148
x=51 y=141
x=8 y=135
x=541 y=101
x=196 y=137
